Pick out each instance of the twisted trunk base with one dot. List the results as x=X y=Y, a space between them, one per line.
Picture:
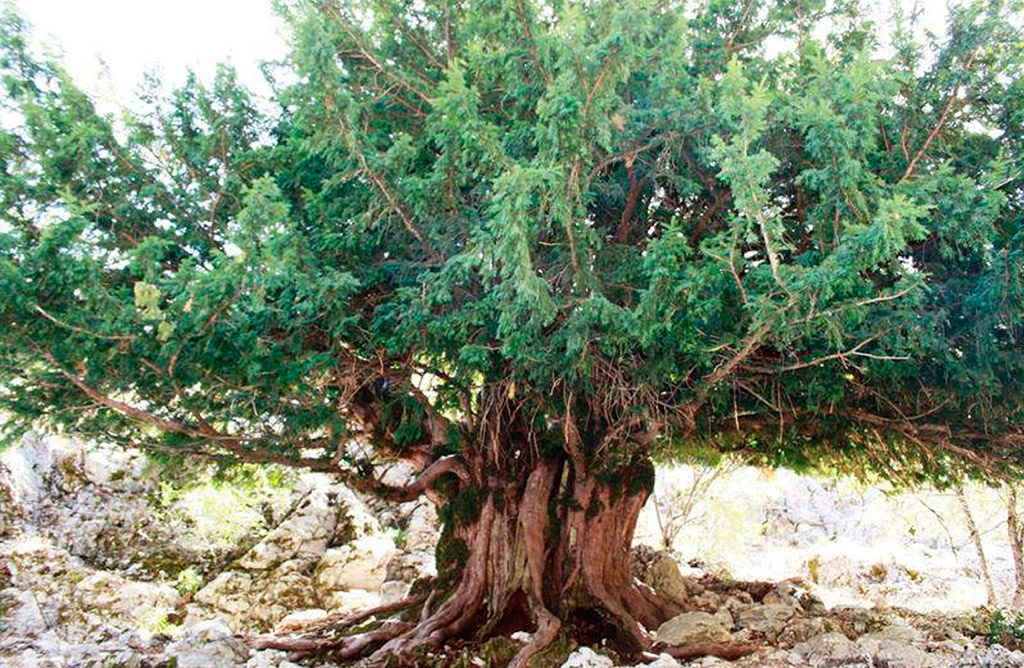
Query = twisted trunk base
x=547 y=553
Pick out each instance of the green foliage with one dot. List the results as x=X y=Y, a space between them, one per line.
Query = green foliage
x=652 y=219
x=1006 y=628
x=188 y=581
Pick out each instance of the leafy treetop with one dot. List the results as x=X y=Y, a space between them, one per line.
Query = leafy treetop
x=618 y=223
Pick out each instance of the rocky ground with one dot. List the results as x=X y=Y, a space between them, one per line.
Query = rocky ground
x=107 y=560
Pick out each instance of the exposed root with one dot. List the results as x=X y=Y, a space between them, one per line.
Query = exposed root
x=346 y=648
x=547 y=630
x=722 y=651
x=305 y=638
x=339 y=621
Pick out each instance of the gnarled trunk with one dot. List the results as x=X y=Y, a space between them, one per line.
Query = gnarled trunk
x=531 y=541
x=536 y=548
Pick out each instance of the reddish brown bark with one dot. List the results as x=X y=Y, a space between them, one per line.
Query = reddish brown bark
x=540 y=547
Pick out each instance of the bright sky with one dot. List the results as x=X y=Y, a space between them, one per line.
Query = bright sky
x=167 y=36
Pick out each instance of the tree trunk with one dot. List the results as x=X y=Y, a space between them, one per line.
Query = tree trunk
x=972 y=527
x=1016 y=547
x=539 y=552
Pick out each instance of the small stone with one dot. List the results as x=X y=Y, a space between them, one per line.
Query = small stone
x=894 y=654
x=812 y=605
x=897 y=632
x=801 y=630
x=693 y=628
x=764 y=618
x=826 y=646
x=585 y=657
x=659 y=570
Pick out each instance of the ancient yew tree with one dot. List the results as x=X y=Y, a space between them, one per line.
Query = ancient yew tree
x=526 y=247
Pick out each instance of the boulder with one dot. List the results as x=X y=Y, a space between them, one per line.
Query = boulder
x=692 y=628
x=785 y=592
x=208 y=645
x=302 y=536
x=347 y=601
x=116 y=596
x=298 y=619
x=362 y=564
x=259 y=599
x=812 y=605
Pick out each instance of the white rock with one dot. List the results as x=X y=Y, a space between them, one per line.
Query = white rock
x=304 y=535
x=362 y=564
x=898 y=632
x=898 y=655
x=522 y=637
x=351 y=600
x=394 y=590
x=827 y=646
x=268 y=658
x=585 y=657
x=209 y=645
x=301 y=617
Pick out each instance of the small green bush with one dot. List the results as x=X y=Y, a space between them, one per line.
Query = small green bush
x=1006 y=628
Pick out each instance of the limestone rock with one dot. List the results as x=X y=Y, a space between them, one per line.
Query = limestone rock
x=832 y=647
x=209 y=645
x=895 y=654
x=585 y=657
x=303 y=535
x=897 y=632
x=812 y=605
x=299 y=618
x=995 y=656
x=663 y=661
x=346 y=601
x=801 y=630
x=785 y=592
x=768 y=619
x=362 y=564
x=259 y=599
x=394 y=590
x=659 y=570
x=115 y=595
x=692 y=628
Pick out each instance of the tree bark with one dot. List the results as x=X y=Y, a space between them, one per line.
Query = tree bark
x=1016 y=545
x=972 y=526
x=539 y=552
x=544 y=549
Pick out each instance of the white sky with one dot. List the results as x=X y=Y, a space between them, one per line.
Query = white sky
x=169 y=36
x=166 y=36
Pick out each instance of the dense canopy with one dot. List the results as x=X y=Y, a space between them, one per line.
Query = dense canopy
x=489 y=235
x=733 y=216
